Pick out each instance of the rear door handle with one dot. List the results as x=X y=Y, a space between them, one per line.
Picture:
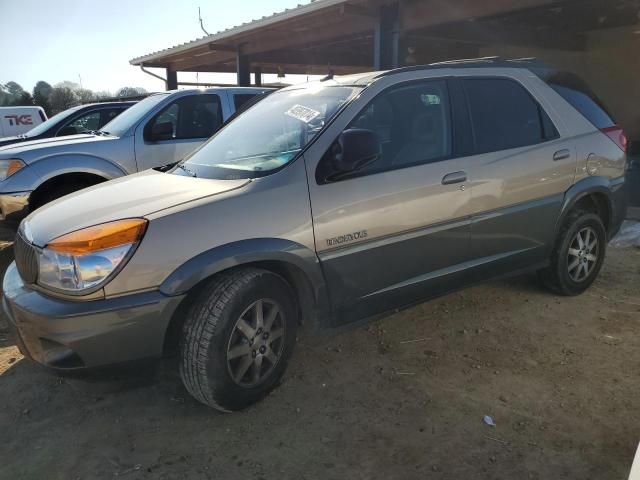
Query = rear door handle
x=455 y=177
x=561 y=155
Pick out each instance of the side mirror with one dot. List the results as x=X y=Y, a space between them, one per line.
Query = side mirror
x=354 y=150
x=161 y=131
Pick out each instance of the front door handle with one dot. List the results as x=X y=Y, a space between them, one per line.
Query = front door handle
x=561 y=155
x=455 y=177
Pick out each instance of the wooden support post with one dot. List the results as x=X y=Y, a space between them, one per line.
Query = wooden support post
x=386 y=53
x=243 y=69
x=257 y=74
x=172 y=80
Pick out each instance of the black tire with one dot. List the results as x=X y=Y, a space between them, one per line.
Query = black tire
x=211 y=330
x=558 y=277
x=58 y=192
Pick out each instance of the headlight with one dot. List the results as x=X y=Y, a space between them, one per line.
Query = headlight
x=86 y=258
x=9 y=167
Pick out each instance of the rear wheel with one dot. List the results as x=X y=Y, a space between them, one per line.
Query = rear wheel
x=238 y=338
x=578 y=254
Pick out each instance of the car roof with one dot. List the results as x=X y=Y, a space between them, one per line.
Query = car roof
x=483 y=62
x=108 y=104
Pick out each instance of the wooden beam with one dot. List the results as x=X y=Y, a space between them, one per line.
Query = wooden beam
x=421 y=14
x=316 y=57
x=216 y=47
x=357 y=10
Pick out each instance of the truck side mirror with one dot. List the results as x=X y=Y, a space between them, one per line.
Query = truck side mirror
x=160 y=131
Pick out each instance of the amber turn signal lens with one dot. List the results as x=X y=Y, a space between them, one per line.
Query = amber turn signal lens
x=14 y=166
x=100 y=237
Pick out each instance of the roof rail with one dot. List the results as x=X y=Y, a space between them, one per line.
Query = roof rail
x=471 y=62
x=466 y=60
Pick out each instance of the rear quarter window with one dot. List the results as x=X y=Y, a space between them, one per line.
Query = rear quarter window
x=575 y=91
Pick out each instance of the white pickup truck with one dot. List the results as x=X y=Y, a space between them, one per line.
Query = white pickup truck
x=159 y=130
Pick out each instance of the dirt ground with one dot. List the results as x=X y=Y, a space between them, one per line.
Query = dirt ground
x=400 y=398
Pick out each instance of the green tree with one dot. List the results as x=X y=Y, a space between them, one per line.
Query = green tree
x=12 y=93
x=62 y=98
x=14 y=89
x=85 y=95
x=41 y=93
x=130 y=92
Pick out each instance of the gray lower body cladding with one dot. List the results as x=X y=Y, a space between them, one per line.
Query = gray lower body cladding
x=69 y=335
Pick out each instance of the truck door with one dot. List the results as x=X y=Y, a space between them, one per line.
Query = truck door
x=178 y=129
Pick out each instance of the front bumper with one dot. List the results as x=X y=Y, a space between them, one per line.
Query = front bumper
x=14 y=206
x=76 y=335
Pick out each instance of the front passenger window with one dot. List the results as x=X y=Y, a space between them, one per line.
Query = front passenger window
x=190 y=117
x=412 y=124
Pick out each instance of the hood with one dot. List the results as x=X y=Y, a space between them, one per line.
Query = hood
x=4 y=141
x=33 y=150
x=136 y=195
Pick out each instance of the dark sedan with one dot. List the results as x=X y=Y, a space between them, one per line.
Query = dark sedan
x=72 y=121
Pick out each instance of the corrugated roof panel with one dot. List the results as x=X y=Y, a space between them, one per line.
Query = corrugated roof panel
x=287 y=14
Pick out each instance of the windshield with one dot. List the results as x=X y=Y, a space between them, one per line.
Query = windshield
x=44 y=126
x=268 y=135
x=123 y=122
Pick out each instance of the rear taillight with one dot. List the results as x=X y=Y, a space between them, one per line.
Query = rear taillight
x=617 y=135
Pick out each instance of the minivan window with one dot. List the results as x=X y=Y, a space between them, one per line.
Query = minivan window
x=504 y=115
x=193 y=116
x=269 y=134
x=127 y=119
x=412 y=123
x=575 y=91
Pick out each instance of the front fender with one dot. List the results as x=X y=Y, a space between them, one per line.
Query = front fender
x=55 y=165
x=35 y=174
x=245 y=252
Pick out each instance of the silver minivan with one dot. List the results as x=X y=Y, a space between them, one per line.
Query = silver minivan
x=324 y=204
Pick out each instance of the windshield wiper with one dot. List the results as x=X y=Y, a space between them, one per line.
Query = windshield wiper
x=190 y=172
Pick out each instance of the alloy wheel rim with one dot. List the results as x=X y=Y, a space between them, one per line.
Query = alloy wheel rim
x=256 y=343
x=583 y=254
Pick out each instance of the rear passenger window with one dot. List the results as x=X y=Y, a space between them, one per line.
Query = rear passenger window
x=504 y=115
x=240 y=99
x=575 y=91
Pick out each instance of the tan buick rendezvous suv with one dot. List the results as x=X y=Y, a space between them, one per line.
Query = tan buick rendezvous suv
x=323 y=204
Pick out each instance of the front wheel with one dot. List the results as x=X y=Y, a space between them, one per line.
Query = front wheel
x=578 y=254
x=238 y=338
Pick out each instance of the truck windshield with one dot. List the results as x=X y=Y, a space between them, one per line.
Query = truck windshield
x=127 y=119
x=57 y=118
x=268 y=135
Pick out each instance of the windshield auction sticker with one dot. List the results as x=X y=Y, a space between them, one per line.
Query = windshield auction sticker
x=302 y=113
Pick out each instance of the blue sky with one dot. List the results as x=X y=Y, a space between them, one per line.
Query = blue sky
x=96 y=39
